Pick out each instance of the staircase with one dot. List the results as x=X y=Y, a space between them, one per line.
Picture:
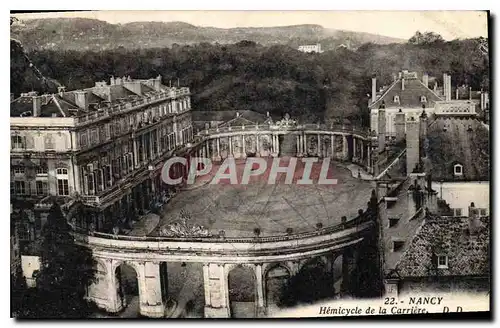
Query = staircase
x=288 y=145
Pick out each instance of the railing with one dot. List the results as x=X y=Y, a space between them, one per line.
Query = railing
x=271 y=127
x=364 y=218
x=101 y=113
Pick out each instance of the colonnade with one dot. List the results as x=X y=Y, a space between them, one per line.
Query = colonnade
x=105 y=290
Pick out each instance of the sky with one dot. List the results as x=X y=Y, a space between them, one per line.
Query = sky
x=400 y=24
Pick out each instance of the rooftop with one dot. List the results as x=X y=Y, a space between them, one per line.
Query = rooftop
x=458 y=140
x=88 y=101
x=468 y=254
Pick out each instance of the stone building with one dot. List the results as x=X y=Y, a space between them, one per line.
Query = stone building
x=409 y=94
x=103 y=146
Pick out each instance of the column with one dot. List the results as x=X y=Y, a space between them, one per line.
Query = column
x=298 y=145
x=305 y=144
x=354 y=158
x=230 y=146
x=319 y=146
x=345 y=148
x=332 y=145
x=368 y=155
x=150 y=298
x=348 y=270
x=361 y=151
x=277 y=142
x=260 y=290
x=136 y=155
x=244 y=152
x=218 y=147
x=216 y=299
x=257 y=145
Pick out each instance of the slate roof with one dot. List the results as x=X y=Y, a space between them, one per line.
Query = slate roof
x=409 y=97
x=468 y=255
x=455 y=140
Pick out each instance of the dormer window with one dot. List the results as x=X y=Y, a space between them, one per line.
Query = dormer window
x=423 y=99
x=458 y=170
x=396 y=99
x=442 y=262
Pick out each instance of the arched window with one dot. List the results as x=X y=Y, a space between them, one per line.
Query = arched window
x=458 y=169
x=423 y=99
x=396 y=99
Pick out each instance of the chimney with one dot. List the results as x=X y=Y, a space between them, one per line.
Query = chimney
x=400 y=126
x=37 y=106
x=374 y=89
x=474 y=220
x=81 y=99
x=381 y=129
x=403 y=83
x=425 y=80
x=422 y=132
x=412 y=144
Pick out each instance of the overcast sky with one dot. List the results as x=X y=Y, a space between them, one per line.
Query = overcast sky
x=400 y=24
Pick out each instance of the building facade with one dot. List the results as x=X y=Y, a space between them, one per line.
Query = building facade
x=101 y=145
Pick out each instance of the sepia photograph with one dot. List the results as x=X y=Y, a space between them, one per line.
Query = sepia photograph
x=250 y=164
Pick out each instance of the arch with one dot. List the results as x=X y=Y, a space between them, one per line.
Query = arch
x=242 y=291
x=127 y=284
x=276 y=278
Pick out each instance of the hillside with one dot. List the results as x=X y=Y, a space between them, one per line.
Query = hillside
x=91 y=34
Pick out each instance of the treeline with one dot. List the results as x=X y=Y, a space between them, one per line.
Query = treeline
x=276 y=79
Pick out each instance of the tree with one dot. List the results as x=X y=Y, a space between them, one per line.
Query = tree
x=66 y=271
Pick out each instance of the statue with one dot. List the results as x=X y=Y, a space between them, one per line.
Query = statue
x=181 y=228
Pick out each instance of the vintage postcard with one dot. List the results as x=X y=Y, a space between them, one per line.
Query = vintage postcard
x=259 y=164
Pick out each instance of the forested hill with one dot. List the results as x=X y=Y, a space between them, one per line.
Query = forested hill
x=92 y=34
x=249 y=76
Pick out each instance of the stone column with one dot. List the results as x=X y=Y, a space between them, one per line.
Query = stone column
x=298 y=145
x=230 y=138
x=217 y=297
x=332 y=145
x=369 y=159
x=218 y=147
x=243 y=152
x=260 y=290
x=361 y=155
x=257 y=145
x=150 y=298
x=277 y=143
x=136 y=155
x=348 y=270
x=305 y=144
x=354 y=153
x=319 y=146
x=345 y=147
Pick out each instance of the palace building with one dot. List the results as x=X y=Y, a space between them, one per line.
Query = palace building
x=102 y=145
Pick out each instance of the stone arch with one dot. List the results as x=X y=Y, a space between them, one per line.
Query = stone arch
x=242 y=290
x=127 y=286
x=276 y=278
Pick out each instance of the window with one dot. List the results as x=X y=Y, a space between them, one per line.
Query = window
x=397 y=246
x=20 y=187
x=62 y=171
x=458 y=169
x=396 y=99
x=457 y=211
x=483 y=211
x=19 y=169
x=42 y=169
x=94 y=136
x=62 y=187
x=41 y=188
x=442 y=262
x=17 y=142
x=83 y=140
x=423 y=99
x=393 y=222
